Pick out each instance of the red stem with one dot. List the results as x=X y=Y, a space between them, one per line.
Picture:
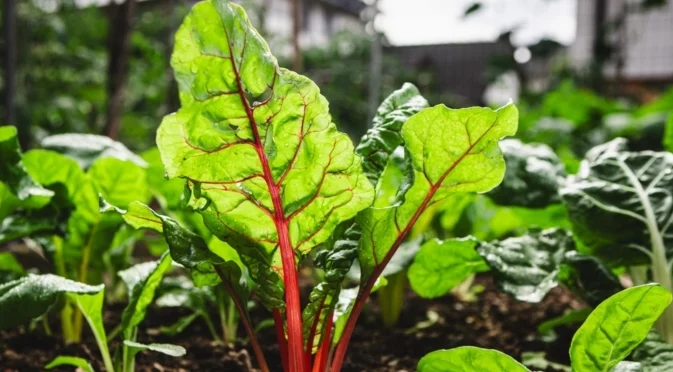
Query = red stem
x=311 y=335
x=293 y=309
x=254 y=342
x=282 y=342
x=321 y=357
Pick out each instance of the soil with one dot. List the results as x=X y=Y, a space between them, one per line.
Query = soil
x=494 y=320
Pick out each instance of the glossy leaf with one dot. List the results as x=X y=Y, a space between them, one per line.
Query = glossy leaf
x=616 y=327
x=654 y=354
x=385 y=135
x=88 y=148
x=446 y=151
x=441 y=265
x=526 y=267
x=27 y=298
x=532 y=175
x=13 y=172
x=80 y=363
x=168 y=349
x=589 y=278
x=620 y=203
x=257 y=143
x=142 y=281
x=469 y=359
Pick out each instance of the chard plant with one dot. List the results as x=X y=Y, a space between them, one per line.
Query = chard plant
x=273 y=178
x=608 y=336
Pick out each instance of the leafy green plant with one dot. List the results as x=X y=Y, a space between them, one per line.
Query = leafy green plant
x=272 y=177
x=607 y=337
x=52 y=197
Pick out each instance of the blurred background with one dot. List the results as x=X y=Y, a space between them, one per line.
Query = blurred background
x=581 y=71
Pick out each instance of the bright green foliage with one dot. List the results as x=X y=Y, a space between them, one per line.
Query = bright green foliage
x=616 y=327
x=668 y=133
x=385 y=135
x=142 y=281
x=441 y=265
x=27 y=298
x=168 y=349
x=167 y=192
x=532 y=175
x=446 y=151
x=527 y=266
x=87 y=148
x=91 y=307
x=13 y=172
x=256 y=141
x=79 y=363
x=469 y=359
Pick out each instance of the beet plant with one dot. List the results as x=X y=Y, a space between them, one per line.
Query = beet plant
x=273 y=178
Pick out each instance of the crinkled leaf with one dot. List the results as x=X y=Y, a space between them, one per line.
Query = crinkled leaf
x=526 y=267
x=265 y=164
x=616 y=327
x=384 y=137
x=336 y=262
x=88 y=148
x=13 y=173
x=654 y=354
x=446 y=152
x=620 y=202
x=589 y=278
x=29 y=297
x=532 y=175
x=441 y=265
x=469 y=359
x=142 y=281
x=627 y=367
x=168 y=349
x=79 y=363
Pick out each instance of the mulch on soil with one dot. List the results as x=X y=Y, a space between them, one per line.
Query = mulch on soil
x=494 y=320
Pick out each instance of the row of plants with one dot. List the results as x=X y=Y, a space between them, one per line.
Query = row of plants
x=251 y=180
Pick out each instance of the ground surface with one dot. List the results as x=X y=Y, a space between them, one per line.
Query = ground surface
x=495 y=320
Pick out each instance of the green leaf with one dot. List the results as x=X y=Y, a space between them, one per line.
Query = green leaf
x=78 y=362
x=168 y=349
x=526 y=267
x=619 y=204
x=469 y=359
x=384 y=137
x=180 y=325
x=120 y=182
x=654 y=354
x=446 y=152
x=587 y=277
x=27 y=298
x=13 y=172
x=142 y=281
x=89 y=148
x=336 y=263
x=167 y=192
x=616 y=327
x=546 y=328
x=10 y=268
x=532 y=175
x=91 y=306
x=668 y=133
x=266 y=165
x=627 y=367
x=441 y=265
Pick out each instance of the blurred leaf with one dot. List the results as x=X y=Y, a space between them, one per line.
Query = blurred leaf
x=473 y=8
x=469 y=359
x=13 y=173
x=168 y=349
x=80 y=363
x=88 y=148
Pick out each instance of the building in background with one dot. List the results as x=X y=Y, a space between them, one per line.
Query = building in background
x=644 y=45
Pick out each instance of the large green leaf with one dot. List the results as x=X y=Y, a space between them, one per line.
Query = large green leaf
x=119 y=181
x=13 y=172
x=469 y=359
x=655 y=354
x=29 y=297
x=88 y=148
x=527 y=266
x=384 y=137
x=441 y=265
x=446 y=152
x=616 y=327
x=256 y=142
x=532 y=175
x=142 y=281
x=620 y=203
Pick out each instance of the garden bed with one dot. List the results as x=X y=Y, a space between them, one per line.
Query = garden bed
x=494 y=320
